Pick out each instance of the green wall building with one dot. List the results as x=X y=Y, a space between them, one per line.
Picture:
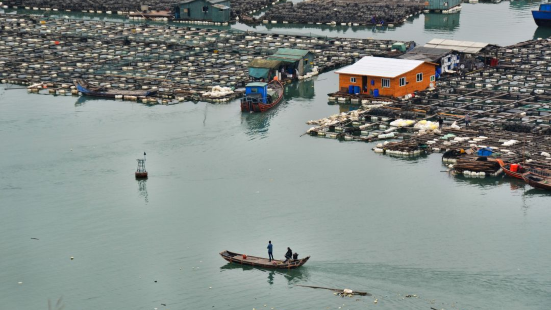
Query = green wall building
x=203 y=10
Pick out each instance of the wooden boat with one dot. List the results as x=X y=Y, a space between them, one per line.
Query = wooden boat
x=507 y=169
x=537 y=181
x=542 y=17
x=477 y=164
x=262 y=262
x=88 y=90
x=260 y=96
x=521 y=169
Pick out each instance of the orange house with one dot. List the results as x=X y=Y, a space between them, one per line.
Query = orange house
x=388 y=77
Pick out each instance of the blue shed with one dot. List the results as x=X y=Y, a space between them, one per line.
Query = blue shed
x=203 y=10
x=487 y=151
x=259 y=89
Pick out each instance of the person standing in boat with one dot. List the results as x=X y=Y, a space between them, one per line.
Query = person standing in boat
x=288 y=255
x=270 y=250
x=467 y=120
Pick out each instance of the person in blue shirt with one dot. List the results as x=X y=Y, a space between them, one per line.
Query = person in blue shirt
x=270 y=250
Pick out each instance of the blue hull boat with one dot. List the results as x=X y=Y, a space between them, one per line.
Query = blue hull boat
x=542 y=17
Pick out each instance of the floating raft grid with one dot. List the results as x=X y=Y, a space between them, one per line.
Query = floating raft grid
x=175 y=60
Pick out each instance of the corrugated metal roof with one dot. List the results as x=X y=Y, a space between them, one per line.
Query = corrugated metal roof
x=220 y=6
x=460 y=46
x=288 y=54
x=426 y=53
x=257 y=84
x=264 y=63
x=291 y=51
x=379 y=66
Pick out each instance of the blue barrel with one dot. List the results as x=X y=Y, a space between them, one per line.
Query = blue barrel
x=375 y=93
x=356 y=89
x=351 y=89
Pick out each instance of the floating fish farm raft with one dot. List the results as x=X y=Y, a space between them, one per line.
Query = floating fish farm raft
x=239 y=8
x=509 y=106
x=344 y=12
x=180 y=62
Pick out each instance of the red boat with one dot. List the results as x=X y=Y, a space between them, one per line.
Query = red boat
x=260 y=96
x=517 y=170
x=517 y=173
x=537 y=181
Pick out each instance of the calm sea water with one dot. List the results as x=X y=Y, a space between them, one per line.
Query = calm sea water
x=220 y=179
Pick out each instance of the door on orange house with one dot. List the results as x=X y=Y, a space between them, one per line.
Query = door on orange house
x=364 y=84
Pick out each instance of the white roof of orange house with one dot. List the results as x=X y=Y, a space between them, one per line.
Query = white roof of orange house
x=379 y=66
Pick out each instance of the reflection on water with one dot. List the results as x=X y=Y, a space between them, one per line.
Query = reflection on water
x=301 y=89
x=258 y=123
x=534 y=192
x=86 y=99
x=486 y=182
x=292 y=276
x=343 y=108
x=142 y=190
x=542 y=32
x=442 y=21
x=519 y=5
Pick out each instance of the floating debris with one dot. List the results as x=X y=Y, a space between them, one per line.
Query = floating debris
x=340 y=292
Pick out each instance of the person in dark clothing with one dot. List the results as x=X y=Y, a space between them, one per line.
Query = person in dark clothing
x=440 y=122
x=288 y=255
x=270 y=250
x=295 y=256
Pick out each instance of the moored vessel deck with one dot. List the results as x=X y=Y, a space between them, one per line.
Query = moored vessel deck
x=537 y=181
x=260 y=96
x=97 y=91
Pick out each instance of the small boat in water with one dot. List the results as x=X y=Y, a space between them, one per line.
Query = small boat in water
x=97 y=91
x=512 y=170
x=261 y=261
x=260 y=96
x=537 y=181
x=517 y=170
x=542 y=17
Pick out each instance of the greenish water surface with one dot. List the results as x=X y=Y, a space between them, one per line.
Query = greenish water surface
x=220 y=179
